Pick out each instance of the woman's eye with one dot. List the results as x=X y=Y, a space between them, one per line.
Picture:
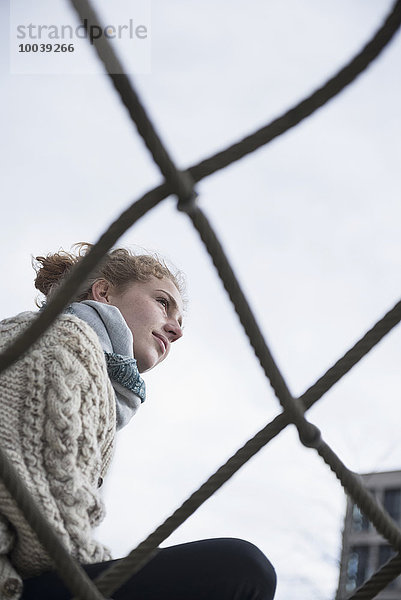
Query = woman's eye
x=163 y=301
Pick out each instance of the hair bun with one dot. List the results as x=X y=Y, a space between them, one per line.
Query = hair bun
x=51 y=269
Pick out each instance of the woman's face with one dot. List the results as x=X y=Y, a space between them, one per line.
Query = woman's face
x=153 y=311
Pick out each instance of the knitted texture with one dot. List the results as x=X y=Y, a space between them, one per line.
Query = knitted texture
x=57 y=424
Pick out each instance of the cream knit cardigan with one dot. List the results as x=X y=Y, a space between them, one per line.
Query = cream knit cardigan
x=57 y=424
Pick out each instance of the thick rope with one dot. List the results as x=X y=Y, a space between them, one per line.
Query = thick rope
x=139 y=555
x=79 y=274
x=69 y=570
x=379 y=580
x=352 y=356
x=121 y=572
x=82 y=270
x=352 y=484
x=308 y=433
x=307 y=106
x=343 y=365
x=294 y=408
x=180 y=181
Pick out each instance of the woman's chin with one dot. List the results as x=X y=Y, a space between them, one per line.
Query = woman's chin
x=148 y=363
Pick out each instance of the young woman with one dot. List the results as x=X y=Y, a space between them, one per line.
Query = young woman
x=60 y=407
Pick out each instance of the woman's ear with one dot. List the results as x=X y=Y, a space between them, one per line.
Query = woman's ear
x=101 y=290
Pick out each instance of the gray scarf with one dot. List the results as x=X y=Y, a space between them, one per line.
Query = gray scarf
x=117 y=343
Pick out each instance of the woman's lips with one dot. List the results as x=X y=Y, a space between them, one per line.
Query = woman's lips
x=162 y=341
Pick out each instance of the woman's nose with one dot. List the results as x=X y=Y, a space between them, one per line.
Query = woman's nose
x=174 y=329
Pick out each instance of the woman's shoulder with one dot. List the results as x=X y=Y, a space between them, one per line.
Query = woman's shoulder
x=11 y=327
x=67 y=329
x=17 y=320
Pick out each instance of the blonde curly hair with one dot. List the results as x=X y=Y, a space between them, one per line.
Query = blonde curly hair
x=120 y=267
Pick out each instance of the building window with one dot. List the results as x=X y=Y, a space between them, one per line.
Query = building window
x=392 y=502
x=385 y=553
x=357 y=568
x=359 y=521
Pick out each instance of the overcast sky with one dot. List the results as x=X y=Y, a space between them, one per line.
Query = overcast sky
x=311 y=224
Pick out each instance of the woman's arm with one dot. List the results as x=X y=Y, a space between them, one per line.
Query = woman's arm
x=60 y=430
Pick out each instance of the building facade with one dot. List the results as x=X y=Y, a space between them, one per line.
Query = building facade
x=364 y=550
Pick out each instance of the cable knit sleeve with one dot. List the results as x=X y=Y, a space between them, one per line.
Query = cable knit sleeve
x=58 y=424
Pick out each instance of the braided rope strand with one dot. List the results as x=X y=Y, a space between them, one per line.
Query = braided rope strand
x=307 y=432
x=342 y=366
x=306 y=107
x=180 y=182
x=352 y=484
x=122 y=571
x=83 y=269
x=310 y=396
x=379 y=580
x=79 y=273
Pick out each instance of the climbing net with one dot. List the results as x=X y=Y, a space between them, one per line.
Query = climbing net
x=181 y=183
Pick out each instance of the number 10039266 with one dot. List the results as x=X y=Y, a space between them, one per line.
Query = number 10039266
x=46 y=48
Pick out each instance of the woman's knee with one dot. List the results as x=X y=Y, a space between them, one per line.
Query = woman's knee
x=248 y=565
x=220 y=568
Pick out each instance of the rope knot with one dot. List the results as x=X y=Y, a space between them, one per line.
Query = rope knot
x=310 y=436
x=186 y=193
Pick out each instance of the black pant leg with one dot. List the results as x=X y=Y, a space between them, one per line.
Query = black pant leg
x=216 y=569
